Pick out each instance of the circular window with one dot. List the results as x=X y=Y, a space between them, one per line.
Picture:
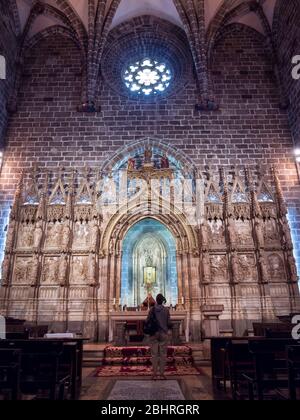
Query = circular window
x=147 y=77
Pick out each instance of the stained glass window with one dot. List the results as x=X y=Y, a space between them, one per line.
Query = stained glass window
x=147 y=77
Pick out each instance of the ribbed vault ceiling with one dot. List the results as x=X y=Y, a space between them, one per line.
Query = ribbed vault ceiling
x=133 y=8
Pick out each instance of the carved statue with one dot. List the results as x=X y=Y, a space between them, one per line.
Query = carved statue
x=217 y=232
x=91 y=274
x=148 y=156
x=219 y=267
x=50 y=271
x=94 y=236
x=21 y=271
x=259 y=234
x=206 y=268
x=235 y=263
x=264 y=268
x=81 y=235
x=26 y=236
x=287 y=235
x=5 y=270
x=205 y=230
x=79 y=273
x=65 y=237
x=270 y=231
x=33 y=270
x=10 y=236
x=232 y=233
x=53 y=234
x=164 y=163
x=276 y=267
x=37 y=235
x=131 y=164
x=293 y=267
x=62 y=270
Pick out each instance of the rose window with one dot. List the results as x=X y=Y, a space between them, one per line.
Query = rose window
x=147 y=77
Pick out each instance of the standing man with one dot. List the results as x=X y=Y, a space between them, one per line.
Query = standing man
x=159 y=339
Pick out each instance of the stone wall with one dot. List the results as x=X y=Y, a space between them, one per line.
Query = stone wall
x=287 y=40
x=249 y=128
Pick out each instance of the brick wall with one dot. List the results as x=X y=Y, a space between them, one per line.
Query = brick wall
x=8 y=50
x=248 y=129
x=288 y=45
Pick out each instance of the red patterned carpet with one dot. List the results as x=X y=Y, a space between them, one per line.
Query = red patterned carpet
x=136 y=361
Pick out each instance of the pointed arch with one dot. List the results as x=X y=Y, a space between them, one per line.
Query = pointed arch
x=121 y=222
x=131 y=148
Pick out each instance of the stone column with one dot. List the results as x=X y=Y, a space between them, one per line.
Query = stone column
x=210 y=326
x=118 y=278
x=211 y=315
x=180 y=280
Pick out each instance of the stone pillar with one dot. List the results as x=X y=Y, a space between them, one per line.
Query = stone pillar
x=210 y=326
x=211 y=314
x=118 y=279
x=180 y=280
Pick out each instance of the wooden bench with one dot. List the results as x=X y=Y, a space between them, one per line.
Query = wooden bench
x=40 y=367
x=293 y=360
x=271 y=369
x=240 y=362
x=10 y=368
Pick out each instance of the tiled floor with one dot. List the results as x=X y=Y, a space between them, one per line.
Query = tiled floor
x=190 y=387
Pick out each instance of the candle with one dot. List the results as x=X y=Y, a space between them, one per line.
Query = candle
x=182 y=300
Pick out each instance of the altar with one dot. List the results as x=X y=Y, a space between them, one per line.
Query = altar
x=118 y=320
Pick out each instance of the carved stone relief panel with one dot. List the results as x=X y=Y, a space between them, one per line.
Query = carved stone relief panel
x=79 y=271
x=243 y=233
x=54 y=235
x=271 y=233
x=19 y=292
x=219 y=268
x=248 y=268
x=249 y=291
x=78 y=293
x=81 y=236
x=217 y=234
x=25 y=236
x=50 y=270
x=276 y=268
x=279 y=290
x=49 y=292
x=219 y=292
x=22 y=271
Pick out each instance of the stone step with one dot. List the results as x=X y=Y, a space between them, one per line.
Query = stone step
x=93 y=358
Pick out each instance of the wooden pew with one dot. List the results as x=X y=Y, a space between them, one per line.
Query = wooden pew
x=240 y=362
x=271 y=371
x=272 y=330
x=40 y=367
x=293 y=360
x=10 y=367
x=220 y=360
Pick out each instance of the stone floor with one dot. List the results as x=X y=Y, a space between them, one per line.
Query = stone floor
x=179 y=388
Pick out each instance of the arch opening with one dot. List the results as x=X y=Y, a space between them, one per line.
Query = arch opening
x=148 y=263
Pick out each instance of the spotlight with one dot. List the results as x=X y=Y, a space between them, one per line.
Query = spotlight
x=297 y=152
